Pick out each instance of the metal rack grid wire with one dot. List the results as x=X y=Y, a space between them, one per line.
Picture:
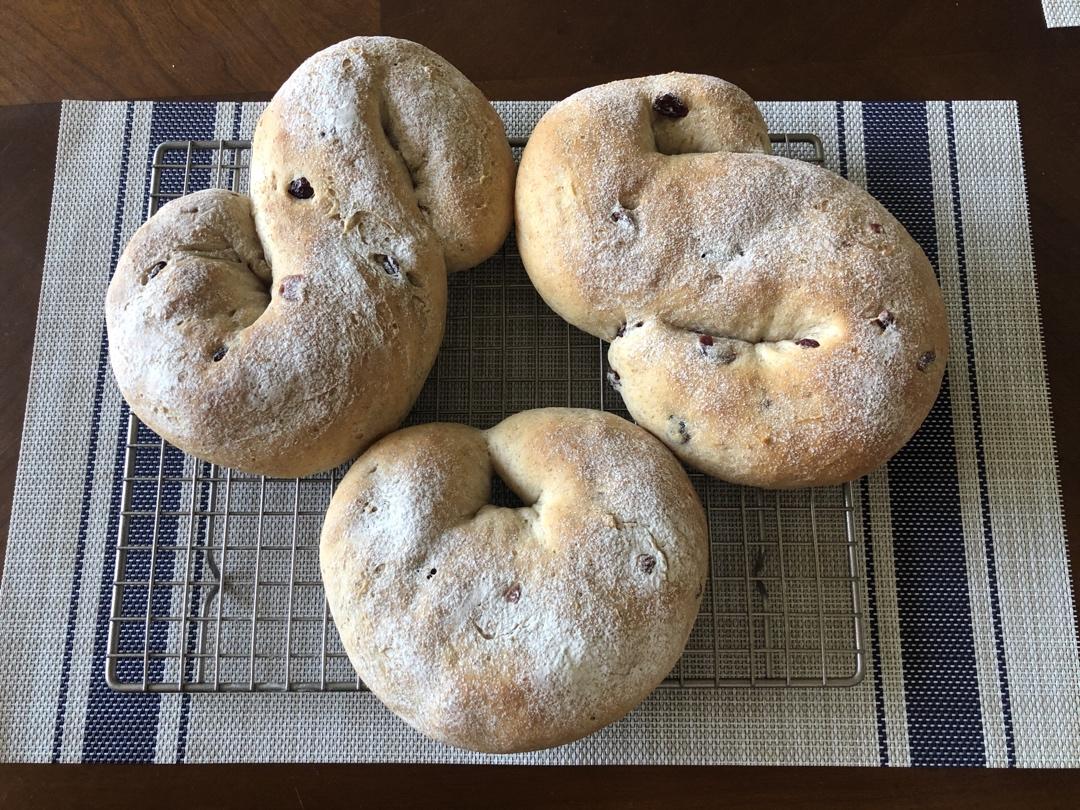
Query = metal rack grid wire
x=217 y=587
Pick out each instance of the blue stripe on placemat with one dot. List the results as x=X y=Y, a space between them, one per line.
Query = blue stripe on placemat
x=122 y=727
x=868 y=536
x=841 y=139
x=91 y=454
x=937 y=641
x=980 y=454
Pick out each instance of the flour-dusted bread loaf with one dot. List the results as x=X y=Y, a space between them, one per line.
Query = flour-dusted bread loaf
x=510 y=629
x=772 y=323
x=283 y=333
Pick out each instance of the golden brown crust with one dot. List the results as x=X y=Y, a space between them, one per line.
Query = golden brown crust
x=323 y=308
x=770 y=322
x=501 y=629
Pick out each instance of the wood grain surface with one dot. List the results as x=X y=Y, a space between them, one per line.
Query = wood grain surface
x=109 y=49
x=814 y=49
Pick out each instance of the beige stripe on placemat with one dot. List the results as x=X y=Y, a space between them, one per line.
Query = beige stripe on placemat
x=48 y=491
x=1025 y=506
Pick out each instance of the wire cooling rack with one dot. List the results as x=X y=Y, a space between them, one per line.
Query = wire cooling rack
x=217 y=582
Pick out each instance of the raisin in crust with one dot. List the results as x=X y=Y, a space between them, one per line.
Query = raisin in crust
x=769 y=321
x=283 y=333
x=510 y=629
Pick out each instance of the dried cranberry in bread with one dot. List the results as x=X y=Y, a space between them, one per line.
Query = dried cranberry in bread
x=284 y=332
x=772 y=323
x=502 y=629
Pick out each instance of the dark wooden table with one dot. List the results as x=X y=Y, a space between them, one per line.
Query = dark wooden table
x=813 y=49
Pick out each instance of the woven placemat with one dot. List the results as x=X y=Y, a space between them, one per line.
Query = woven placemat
x=968 y=598
x=1061 y=13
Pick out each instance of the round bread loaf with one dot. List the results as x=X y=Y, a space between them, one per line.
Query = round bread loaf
x=510 y=629
x=772 y=323
x=283 y=333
